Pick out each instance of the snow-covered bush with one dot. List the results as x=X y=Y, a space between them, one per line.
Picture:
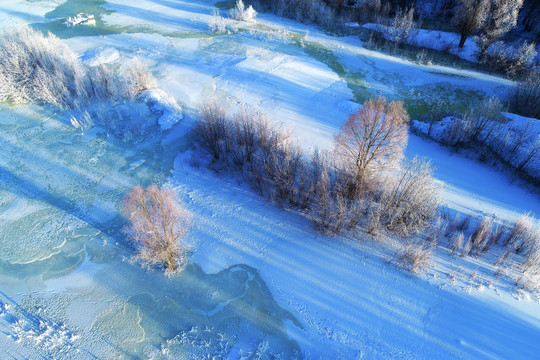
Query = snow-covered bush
x=414 y=257
x=467 y=247
x=403 y=27
x=530 y=268
x=509 y=59
x=158 y=223
x=523 y=234
x=240 y=13
x=39 y=68
x=218 y=24
x=137 y=79
x=526 y=95
x=464 y=224
x=457 y=240
x=334 y=207
x=434 y=234
x=502 y=138
x=481 y=236
x=408 y=201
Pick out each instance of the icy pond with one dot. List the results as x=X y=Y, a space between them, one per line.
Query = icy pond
x=68 y=286
x=60 y=192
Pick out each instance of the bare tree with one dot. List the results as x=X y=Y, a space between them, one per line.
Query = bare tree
x=157 y=223
x=502 y=17
x=469 y=17
x=372 y=138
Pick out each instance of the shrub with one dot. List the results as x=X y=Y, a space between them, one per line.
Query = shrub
x=483 y=118
x=137 y=79
x=457 y=242
x=157 y=225
x=39 y=68
x=525 y=98
x=333 y=209
x=467 y=247
x=217 y=24
x=435 y=232
x=481 y=236
x=212 y=129
x=495 y=237
x=415 y=257
x=410 y=201
x=403 y=27
x=522 y=234
x=463 y=225
x=510 y=60
x=240 y=13
x=372 y=139
x=457 y=133
x=500 y=19
x=530 y=269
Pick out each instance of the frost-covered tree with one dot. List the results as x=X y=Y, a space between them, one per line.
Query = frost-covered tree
x=158 y=222
x=469 y=17
x=372 y=138
x=501 y=18
x=403 y=26
x=240 y=13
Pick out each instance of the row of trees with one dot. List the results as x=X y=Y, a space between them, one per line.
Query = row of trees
x=362 y=182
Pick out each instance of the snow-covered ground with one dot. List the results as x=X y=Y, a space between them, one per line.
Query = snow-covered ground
x=261 y=281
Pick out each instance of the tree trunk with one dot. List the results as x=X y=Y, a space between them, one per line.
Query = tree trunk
x=462 y=40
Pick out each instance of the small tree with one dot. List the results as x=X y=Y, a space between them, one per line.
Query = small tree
x=403 y=26
x=469 y=17
x=157 y=223
x=373 y=138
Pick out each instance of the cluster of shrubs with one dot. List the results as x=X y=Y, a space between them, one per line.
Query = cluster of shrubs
x=40 y=68
x=515 y=62
x=362 y=184
x=519 y=240
x=485 y=131
x=381 y=193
